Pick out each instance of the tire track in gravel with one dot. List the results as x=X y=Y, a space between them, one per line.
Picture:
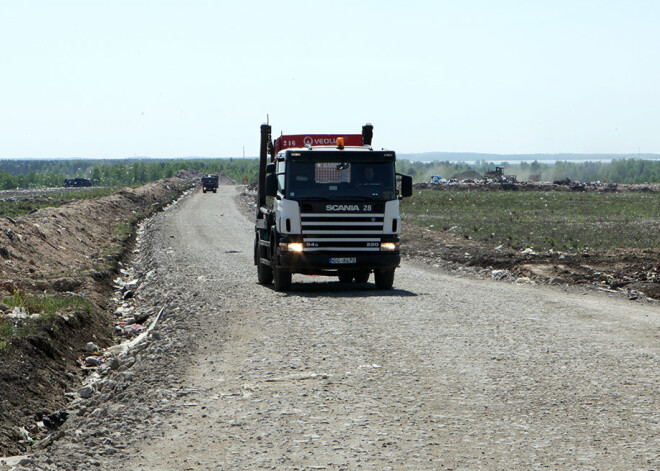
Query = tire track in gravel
x=442 y=372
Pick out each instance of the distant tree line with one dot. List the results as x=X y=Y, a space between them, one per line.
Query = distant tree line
x=129 y=172
x=622 y=171
x=115 y=173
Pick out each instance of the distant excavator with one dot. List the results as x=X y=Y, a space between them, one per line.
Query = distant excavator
x=498 y=175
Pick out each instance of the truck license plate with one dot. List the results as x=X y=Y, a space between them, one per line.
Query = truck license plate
x=343 y=260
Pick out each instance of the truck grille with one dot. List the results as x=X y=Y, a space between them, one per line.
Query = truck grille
x=345 y=232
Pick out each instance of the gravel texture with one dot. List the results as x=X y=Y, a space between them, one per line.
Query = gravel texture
x=442 y=372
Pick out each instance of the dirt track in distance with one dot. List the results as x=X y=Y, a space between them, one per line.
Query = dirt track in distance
x=441 y=372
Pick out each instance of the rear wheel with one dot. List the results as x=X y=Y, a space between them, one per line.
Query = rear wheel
x=362 y=277
x=384 y=279
x=281 y=278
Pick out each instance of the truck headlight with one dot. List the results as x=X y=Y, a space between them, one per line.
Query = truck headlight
x=389 y=246
x=291 y=247
x=295 y=247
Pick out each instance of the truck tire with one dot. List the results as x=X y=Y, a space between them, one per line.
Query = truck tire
x=215 y=190
x=384 y=279
x=345 y=277
x=264 y=274
x=362 y=277
x=281 y=279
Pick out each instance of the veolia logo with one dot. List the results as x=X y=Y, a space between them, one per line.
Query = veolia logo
x=308 y=141
x=328 y=141
x=342 y=207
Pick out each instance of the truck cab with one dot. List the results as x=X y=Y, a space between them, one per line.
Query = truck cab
x=330 y=210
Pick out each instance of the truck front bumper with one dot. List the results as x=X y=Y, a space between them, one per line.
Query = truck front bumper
x=318 y=263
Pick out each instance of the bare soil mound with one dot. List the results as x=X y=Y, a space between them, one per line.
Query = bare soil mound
x=631 y=272
x=67 y=251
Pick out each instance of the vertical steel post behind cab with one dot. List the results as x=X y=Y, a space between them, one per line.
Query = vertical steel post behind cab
x=263 y=160
x=367 y=134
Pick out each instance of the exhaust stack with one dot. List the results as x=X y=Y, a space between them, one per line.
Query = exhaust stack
x=263 y=160
x=367 y=134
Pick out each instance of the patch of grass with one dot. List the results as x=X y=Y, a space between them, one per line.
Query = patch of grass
x=20 y=206
x=46 y=306
x=566 y=221
x=121 y=234
x=6 y=329
x=122 y=231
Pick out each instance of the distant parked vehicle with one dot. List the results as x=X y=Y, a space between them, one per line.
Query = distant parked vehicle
x=69 y=182
x=210 y=183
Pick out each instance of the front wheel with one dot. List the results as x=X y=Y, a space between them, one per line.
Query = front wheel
x=264 y=274
x=384 y=279
x=281 y=279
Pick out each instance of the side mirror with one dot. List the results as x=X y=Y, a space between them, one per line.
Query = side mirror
x=271 y=184
x=270 y=168
x=406 y=185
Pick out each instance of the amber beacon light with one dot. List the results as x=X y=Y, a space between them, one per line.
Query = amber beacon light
x=340 y=143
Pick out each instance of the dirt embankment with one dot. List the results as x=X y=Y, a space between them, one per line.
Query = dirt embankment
x=75 y=249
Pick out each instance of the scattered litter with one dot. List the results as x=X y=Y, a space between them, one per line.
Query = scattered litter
x=137 y=328
x=91 y=347
x=18 y=313
x=11 y=461
x=54 y=420
x=93 y=361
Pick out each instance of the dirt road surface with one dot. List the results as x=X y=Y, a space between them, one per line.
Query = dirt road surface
x=442 y=372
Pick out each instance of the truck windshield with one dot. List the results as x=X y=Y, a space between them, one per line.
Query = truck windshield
x=340 y=181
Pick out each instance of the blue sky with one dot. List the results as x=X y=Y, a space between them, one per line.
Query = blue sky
x=174 y=78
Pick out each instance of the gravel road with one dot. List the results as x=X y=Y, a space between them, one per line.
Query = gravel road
x=442 y=372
